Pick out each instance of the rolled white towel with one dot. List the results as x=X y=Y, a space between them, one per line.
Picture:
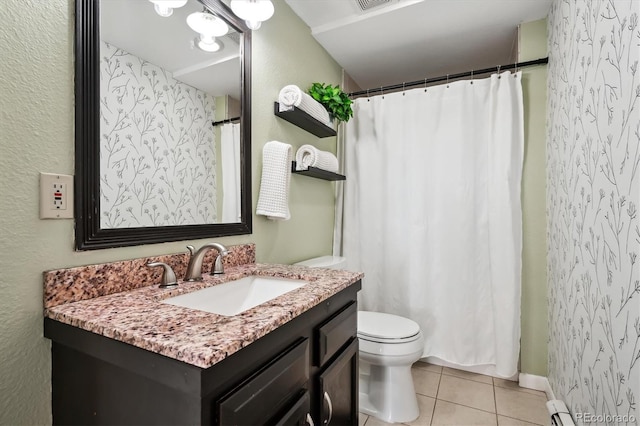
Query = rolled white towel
x=273 y=200
x=310 y=156
x=292 y=96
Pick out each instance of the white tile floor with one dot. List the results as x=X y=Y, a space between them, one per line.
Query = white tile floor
x=454 y=397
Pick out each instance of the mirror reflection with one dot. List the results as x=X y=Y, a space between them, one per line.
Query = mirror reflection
x=170 y=90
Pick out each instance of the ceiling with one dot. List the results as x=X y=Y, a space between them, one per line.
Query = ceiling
x=396 y=41
x=168 y=43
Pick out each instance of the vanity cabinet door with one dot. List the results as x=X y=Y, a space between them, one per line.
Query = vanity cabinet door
x=335 y=332
x=272 y=394
x=338 y=388
x=298 y=414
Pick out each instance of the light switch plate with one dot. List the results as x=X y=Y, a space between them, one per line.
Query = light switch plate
x=56 y=196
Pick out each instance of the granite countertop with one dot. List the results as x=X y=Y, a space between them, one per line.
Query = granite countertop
x=196 y=337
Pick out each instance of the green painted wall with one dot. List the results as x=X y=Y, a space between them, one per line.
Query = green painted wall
x=533 y=357
x=285 y=53
x=36 y=132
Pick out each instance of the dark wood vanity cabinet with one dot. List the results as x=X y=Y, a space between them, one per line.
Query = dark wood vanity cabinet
x=303 y=372
x=336 y=384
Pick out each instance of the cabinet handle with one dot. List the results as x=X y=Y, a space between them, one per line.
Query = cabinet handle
x=309 y=420
x=328 y=399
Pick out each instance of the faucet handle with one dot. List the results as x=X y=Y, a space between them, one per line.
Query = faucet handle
x=168 y=276
x=218 y=267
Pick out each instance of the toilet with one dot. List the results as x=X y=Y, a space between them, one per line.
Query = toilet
x=389 y=345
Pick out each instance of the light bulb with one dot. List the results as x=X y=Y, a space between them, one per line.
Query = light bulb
x=253 y=25
x=165 y=8
x=206 y=23
x=163 y=11
x=208 y=43
x=253 y=11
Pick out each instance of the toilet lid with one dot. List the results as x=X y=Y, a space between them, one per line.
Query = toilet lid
x=378 y=325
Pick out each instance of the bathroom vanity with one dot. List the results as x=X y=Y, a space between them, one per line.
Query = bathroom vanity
x=129 y=358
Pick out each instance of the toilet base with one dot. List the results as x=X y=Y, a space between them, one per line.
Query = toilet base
x=388 y=393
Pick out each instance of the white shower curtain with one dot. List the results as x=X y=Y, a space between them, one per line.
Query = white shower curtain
x=432 y=214
x=230 y=153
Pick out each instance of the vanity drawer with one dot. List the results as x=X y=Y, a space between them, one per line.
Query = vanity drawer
x=335 y=332
x=298 y=414
x=270 y=390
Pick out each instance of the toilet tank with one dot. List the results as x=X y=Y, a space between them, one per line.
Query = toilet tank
x=331 y=262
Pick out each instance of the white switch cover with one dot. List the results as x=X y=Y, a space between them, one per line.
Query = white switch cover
x=56 y=196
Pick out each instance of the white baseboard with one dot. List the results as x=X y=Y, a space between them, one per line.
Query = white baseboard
x=539 y=383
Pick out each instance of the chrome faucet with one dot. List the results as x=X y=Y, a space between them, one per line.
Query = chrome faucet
x=168 y=276
x=194 y=269
x=218 y=267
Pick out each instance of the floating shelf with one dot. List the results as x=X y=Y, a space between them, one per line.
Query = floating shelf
x=304 y=121
x=317 y=173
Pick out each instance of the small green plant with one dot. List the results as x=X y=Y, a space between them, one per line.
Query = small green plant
x=333 y=99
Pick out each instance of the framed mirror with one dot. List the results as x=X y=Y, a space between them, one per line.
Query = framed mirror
x=163 y=124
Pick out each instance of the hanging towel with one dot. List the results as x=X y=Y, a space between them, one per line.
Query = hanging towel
x=310 y=156
x=292 y=96
x=273 y=200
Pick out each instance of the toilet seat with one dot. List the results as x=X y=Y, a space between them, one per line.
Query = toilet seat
x=386 y=328
x=389 y=341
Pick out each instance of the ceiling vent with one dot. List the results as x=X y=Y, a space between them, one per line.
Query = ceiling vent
x=367 y=5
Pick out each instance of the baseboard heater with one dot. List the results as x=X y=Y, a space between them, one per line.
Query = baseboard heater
x=559 y=413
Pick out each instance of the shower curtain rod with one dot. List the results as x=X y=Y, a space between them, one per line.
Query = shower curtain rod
x=426 y=81
x=228 y=120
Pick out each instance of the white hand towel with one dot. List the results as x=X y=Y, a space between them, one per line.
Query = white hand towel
x=309 y=156
x=289 y=96
x=292 y=96
x=273 y=200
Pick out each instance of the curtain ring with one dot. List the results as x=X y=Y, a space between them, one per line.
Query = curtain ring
x=403 y=88
x=499 y=71
x=368 y=100
x=382 y=90
x=447 y=81
x=425 y=84
x=471 y=76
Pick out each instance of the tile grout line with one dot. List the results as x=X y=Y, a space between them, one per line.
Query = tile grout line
x=521 y=420
x=494 y=390
x=468 y=406
x=495 y=403
x=470 y=379
x=463 y=405
x=435 y=402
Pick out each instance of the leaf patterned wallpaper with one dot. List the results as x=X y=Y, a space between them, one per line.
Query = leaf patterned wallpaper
x=157 y=146
x=593 y=158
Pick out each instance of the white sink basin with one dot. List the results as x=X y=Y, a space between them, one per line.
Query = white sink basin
x=234 y=297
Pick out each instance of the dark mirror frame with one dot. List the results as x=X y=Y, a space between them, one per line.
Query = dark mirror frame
x=88 y=233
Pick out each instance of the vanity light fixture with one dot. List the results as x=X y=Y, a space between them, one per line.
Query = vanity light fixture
x=254 y=12
x=207 y=25
x=165 y=8
x=208 y=43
